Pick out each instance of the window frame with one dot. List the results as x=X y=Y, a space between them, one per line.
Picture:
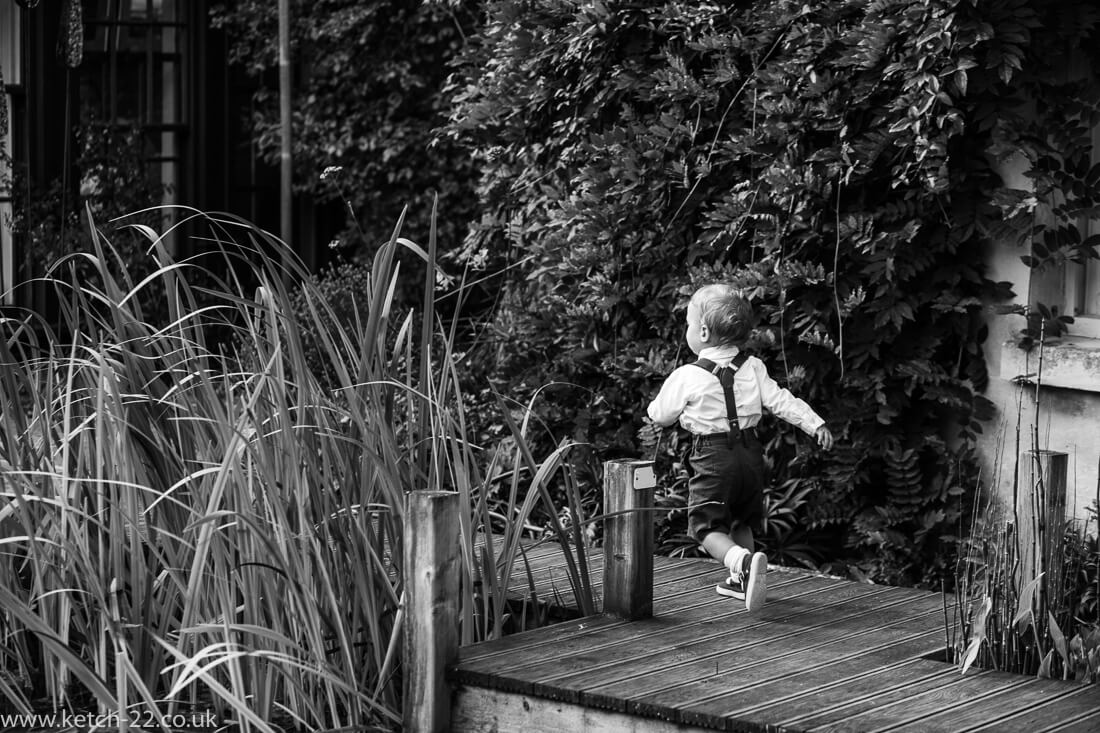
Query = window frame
x=11 y=64
x=1081 y=280
x=172 y=128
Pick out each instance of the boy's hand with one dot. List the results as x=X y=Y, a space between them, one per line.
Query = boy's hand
x=649 y=434
x=824 y=438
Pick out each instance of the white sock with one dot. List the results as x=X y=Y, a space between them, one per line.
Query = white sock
x=734 y=558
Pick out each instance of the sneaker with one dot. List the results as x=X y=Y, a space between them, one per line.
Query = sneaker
x=756 y=581
x=731 y=588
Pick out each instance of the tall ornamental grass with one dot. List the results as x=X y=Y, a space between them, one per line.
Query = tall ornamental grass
x=190 y=522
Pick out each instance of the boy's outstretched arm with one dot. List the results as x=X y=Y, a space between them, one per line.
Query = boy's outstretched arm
x=784 y=405
x=666 y=407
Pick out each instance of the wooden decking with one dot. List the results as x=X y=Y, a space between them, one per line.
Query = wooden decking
x=823 y=655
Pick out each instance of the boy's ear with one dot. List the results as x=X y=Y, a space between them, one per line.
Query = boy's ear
x=704 y=333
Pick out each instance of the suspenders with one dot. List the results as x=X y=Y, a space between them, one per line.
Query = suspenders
x=725 y=377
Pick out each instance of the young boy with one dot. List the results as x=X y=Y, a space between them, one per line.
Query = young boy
x=719 y=400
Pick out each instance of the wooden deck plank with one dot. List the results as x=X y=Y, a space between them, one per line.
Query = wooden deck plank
x=1003 y=708
x=1076 y=709
x=546 y=564
x=691 y=604
x=540 y=554
x=549 y=570
x=698 y=588
x=1083 y=723
x=548 y=637
x=861 y=692
x=848 y=680
x=755 y=678
x=703 y=683
x=542 y=641
x=689 y=590
x=501 y=657
x=732 y=637
x=912 y=703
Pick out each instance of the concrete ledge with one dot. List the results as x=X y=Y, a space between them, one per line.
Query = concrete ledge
x=1071 y=362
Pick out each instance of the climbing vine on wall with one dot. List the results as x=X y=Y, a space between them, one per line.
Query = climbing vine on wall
x=834 y=159
x=1048 y=119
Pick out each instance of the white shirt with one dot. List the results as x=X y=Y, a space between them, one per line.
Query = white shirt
x=695 y=396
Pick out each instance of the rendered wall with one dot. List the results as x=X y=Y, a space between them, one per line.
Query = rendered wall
x=1069 y=398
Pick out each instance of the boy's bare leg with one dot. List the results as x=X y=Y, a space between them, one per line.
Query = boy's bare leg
x=725 y=549
x=718 y=544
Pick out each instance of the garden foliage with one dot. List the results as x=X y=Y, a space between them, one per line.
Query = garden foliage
x=832 y=159
x=367 y=100
x=115 y=181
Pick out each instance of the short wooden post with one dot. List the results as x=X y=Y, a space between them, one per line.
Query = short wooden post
x=628 y=539
x=431 y=572
x=1043 y=516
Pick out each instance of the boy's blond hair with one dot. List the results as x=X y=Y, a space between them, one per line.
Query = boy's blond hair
x=724 y=312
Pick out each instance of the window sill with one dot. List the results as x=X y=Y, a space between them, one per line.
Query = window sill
x=1070 y=362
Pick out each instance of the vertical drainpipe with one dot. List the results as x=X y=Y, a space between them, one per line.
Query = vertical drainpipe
x=285 y=199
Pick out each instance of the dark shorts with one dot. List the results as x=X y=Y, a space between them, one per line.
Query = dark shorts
x=725 y=484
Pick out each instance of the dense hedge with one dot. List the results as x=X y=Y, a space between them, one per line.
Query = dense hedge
x=832 y=158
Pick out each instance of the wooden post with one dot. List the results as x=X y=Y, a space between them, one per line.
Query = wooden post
x=1043 y=516
x=628 y=539
x=431 y=570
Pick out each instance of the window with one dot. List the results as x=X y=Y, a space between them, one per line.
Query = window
x=1083 y=295
x=10 y=69
x=131 y=77
x=1082 y=281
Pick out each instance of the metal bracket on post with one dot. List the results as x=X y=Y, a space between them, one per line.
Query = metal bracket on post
x=644 y=477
